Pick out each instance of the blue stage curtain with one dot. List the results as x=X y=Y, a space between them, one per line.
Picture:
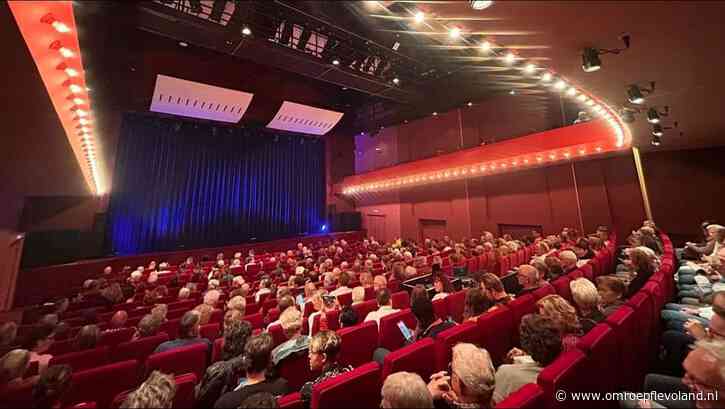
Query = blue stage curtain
x=181 y=184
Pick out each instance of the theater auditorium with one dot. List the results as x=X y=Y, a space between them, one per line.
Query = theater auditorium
x=360 y=204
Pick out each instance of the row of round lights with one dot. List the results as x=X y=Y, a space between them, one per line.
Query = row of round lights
x=78 y=97
x=546 y=77
x=471 y=170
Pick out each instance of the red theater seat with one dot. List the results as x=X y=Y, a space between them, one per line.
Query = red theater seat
x=113 y=338
x=528 y=396
x=255 y=320
x=184 y=398
x=357 y=388
x=21 y=397
x=82 y=360
x=600 y=345
x=210 y=331
x=400 y=300
x=519 y=307
x=445 y=341
x=495 y=331
x=456 y=304
x=369 y=293
x=296 y=370
x=139 y=349
x=390 y=336
x=440 y=306
x=411 y=358
x=358 y=343
x=587 y=271
x=277 y=333
x=171 y=328
x=180 y=361
x=543 y=291
x=364 y=308
x=345 y=299
x=101 y=384
x=216 y=350
x=561 y=285
x=84 y=405
x=565 y=373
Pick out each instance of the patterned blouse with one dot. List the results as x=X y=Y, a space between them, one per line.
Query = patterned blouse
x=329 y=372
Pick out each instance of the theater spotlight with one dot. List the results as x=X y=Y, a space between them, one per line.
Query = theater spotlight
x=246 y=31
x=656 y=141
x=481 y=4
x=590 y=60
x=635 y=93
x=653 y=116
x=323 y=227
x=657 y=130
x=627 y=114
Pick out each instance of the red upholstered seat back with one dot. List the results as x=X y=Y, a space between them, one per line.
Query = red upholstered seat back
x=113 y=338
x=216 y=350
x=83 y=359
x=277 y=334
x=521 y=306
x=102 y=383
x=171 y=327
x=390 y=336
x=364 y=308
x=495 y=330
x=543 y=291
x=445 y=341
x=528 y=396
x=139 y=349
x=440 y=306
x=561 y=285
x=210 y=331
x=565 y=373
x=600 y=345
x=357 y=388
x=411 y=358
x=255 y=320
x=179 y=361
x=400 y=300
x=296 y=370
x=358 y=343
x=456 y=305
x=21 y=397
x=345 y=298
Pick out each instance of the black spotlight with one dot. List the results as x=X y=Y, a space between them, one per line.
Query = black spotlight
x=657 y=130
x=590 y=60
x=635 y=93
x=656 y=141
x=627 y=115
x=654 y=116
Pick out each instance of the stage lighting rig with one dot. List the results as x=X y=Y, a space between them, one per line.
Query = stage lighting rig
x=636 y=93
x=654 y=116
x=590 y=56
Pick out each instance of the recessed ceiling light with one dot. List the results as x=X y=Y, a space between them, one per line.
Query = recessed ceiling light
x=560 y=85
x=246 y=31
x=571 y=91
x=66 y=52
x=396 y=81
x=419 y=17
x=335 y=62
x=512 y=92
x=481 y=4
x=183 y=43
x=470 y=104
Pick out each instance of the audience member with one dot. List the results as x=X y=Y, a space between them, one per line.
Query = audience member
x=157 y=391
x=283 y=304
x=348 y=317
x=259 y=400
x=494 y=291
x=188 y=334
x=38 y=342
x=13 y=366
x=554 y=269
x=471 y=381
x=358 y=295
x=442 y=286
x=88 y=337
x=476 y=304
x=568 y=261
x=324 y=349
x=428 y=325
x=237 y=303
x=147 y=327
x=118 y=321
x=385 y=306
x=257 y=352
x=52 y=385
x=540 y=345
x=343 y=287
x=563 y=315
x=403 y=390
x=8 y=335
x=379 y=282
x=291 y=322
x=586 y=299
x=611 y=293
x=529 y=279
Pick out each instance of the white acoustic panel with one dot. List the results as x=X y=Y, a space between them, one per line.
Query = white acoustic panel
x=196 y=100
x=295 y=117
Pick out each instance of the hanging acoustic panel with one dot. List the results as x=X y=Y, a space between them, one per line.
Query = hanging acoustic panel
x=301 y=118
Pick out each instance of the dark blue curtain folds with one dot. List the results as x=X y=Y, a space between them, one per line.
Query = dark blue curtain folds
x=180 y=184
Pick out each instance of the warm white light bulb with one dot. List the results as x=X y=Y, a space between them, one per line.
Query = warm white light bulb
x=510 y=58
x=419 y=17
x=571 y=91
x=60 y=27
x=546 y=77
x=454 y=32
x=530 y=68
x=72 y=72
x=78 y=101
x=485 y=46
x=560 y=84
x=75 y=88
x=66 y=52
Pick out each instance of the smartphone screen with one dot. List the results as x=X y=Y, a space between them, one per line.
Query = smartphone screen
x=405 y=331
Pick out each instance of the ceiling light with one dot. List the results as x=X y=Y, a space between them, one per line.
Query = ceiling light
x=590 y=60
x=560 y=85
x=75 y=88
x=571 y=91
x=653 y=116
x=57 y=25
x=72 y=72
x=78 y=101
x=546 y=77
x=627 y=115
x=81 y=113
x=183 y=43
x=656 y=141
x=419 y=17
x=485 y=46
x=582 y=97
x=470 y=104
x=454 y=32
x=246 y=31
x=335 y=62
x=510 y=58
x=435 y=113
x=590 y=102
x=657 y=130
x=597 y=108
x=481 y=4
x=530 y=68
x=396 y=81
x=635 y=93
x=83 y=121
x=512 y=92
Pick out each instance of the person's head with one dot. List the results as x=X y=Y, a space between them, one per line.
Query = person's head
x=422 y=309
x=258 y=353
x=528 y=276
x=705 y=372
x=8 y=333
x=366 y=279
x=716 y=329
x=259 y=400
x=540 y=338
x=611 y=289
x=291 y=322
x=358 y=294
x=118 y=320
x=442 y=284
x=189 y=325
x=324 y=349
x=286 y=302
x=13 y=365
x=640 y=260
x=159 y=311
x=542 y=248
x=310 y=289
x=184 y=293
x=348 y=317
x=39 y=339
x=568 y=259
x=560 y=312
x=232 y=316
x=405 y=390
x=383 y=297
x=238 y=303
x=585 y=294
x=491 y=285
x=157 y=391
x=211 y=298
x=472 y=374
x=344 y=279
x=148 y=326
x=379 y=282
x=236 y=334
x=52 y=384
x=88 y=337
x=476 y=303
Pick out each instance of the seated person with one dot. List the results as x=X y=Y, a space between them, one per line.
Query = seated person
x=88 y=337
x=553 y=266
x=476 y=304
x=586 y=300
x=564 y=317
x=38 y=342
x=494 y=291
x=52 y=386
x=324 y=349
x=188 y=334
x=264 y=285
x=358 y=295
x=611 y=293
x=284 y=302
x=442 y=286
x=147 y=327
x=291 y=322
x=540 y=346
x=343 y=288
x=428 y=325
x=258 y=356
x=348 y=317
x=117 y=322
x=471 y=381
x=642 y=268
x=676 y=315
x=13 y=366
x=529 y=279
x=238 y=303
x=379 y=282
x=568 y=261
x=259 y=400
x=403 y=390
x=157 y=391
x=385 y=306
x=8 y=336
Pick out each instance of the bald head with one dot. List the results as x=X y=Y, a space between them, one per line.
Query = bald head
x=118 y=320
x=528 y=276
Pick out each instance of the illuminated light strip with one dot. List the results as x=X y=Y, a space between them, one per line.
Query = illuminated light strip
x=49 y=31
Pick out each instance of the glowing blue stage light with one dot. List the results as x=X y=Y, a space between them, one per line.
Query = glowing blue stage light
x=323 y=228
